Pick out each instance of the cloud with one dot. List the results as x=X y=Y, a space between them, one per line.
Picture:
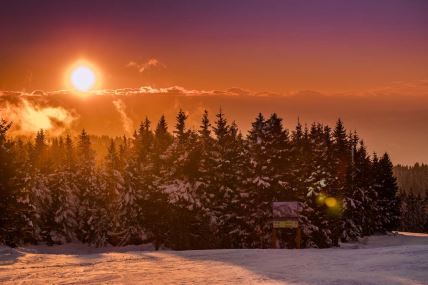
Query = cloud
x=181 y=91
x=128 y=125
x=151 y=64
x=411 y=88
x=30 y=113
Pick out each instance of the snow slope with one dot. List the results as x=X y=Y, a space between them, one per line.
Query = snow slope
x=392 y=259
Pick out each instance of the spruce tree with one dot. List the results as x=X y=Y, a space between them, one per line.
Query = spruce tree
x=113 y=184
x=230 y=197
x=261 y=182
x=64 y=193
x=342 y=160
x=315 y=214
x=146 y=185
x=40 y=191
x=92 y=213
x=8 y=189
x=205 y=177
x=387 y=195
x=353 y=193
x=128 y=227
x=413 y=216
x=180 y=186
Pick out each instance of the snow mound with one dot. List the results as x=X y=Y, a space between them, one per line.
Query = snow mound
x=82 y=249
x=8 y=255
x=391 y=239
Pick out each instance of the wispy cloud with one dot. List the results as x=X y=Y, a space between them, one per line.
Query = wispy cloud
x=128 y=125
x=182 y=91
x=150 y=64
x=412 y=88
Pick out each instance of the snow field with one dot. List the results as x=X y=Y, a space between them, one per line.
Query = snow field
x=390 y=259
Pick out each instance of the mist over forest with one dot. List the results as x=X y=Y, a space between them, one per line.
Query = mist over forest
x=390 y=120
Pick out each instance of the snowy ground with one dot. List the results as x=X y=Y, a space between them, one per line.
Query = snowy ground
x=393 y=259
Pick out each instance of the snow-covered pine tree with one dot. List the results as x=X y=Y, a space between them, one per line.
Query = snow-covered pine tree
x=342 y=153
x=320 y=176
x=113 y=186
x=359 y=214
x=211 y=189
x=41 y=195
x=13 y=221
x=299 y=163
x=413 y=215
x=93 y=216
x=365 y=193
x=387 y=198
x=354 y=193
x=180 y=185
x=230 y=187
x=147 y=191
x=300 y=169
x=262 y=182
x=205 y=180
x=128 y=221
x=7 y=192
x=64 y=192
x=277 y=155
x=25 y=212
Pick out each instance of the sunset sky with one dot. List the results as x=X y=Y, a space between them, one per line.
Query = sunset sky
x=364 y=61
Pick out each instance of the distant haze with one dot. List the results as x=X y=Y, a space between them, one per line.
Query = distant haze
x=394 y=123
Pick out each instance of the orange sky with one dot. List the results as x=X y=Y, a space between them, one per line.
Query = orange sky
x=387 y=121
x=364 y=61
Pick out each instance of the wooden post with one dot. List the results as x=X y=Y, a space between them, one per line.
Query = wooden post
x=298 y=237
x=274 y=239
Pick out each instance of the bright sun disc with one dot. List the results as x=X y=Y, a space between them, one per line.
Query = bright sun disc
x=82 y=78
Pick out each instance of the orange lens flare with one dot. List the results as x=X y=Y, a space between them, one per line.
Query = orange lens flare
x=330 y=202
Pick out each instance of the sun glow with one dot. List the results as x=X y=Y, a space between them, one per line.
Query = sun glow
x=82 y=77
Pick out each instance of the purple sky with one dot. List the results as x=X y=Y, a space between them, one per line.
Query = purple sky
x=260 y=45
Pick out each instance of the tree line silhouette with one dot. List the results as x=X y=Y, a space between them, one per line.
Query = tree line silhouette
x=412 y=179
x=413 y=185
x=193 y=189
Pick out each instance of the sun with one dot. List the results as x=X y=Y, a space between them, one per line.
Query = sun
x=82 y=77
